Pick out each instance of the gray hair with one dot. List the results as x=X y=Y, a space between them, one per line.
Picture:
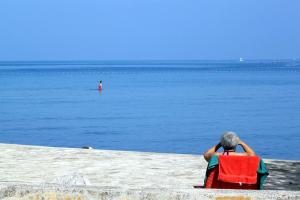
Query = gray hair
x=229 y=140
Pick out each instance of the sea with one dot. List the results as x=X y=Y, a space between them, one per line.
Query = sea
x=152 y=106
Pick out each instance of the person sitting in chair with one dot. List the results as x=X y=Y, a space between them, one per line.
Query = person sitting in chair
x=229 y=141
x=231 y=169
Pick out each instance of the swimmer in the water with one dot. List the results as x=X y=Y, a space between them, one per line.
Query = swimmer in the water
x=100 y=86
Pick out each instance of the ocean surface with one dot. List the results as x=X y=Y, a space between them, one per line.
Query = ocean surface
x=157 y=106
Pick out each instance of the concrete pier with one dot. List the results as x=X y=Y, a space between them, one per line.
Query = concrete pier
x=33 y=172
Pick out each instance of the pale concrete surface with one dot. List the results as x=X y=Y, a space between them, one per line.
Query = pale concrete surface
x=32 y=164
x=52 y=192
x=31 y=172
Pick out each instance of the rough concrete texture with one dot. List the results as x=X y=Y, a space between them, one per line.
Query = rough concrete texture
x=53 y=192
x=284 y=175
x=31 y=172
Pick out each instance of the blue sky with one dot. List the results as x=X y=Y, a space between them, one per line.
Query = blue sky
x=149 y=29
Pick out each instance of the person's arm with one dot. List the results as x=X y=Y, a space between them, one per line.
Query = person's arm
x=247 y=149
x=210 y=152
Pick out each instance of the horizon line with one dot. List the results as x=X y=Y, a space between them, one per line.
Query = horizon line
x=140 y=62
x=152 y=60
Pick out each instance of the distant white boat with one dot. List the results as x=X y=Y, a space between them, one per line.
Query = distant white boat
x=241 y=60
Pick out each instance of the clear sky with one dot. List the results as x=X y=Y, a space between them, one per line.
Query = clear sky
x=149 y=29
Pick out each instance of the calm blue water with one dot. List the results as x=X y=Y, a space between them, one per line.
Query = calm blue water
x=162 y=107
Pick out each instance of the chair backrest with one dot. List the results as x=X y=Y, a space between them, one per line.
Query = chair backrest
x=234 y=172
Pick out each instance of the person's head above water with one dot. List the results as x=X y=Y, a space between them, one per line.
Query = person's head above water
x=100 y=81
x=229 y=140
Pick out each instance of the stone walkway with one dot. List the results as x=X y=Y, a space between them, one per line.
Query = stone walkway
x=120 y=170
